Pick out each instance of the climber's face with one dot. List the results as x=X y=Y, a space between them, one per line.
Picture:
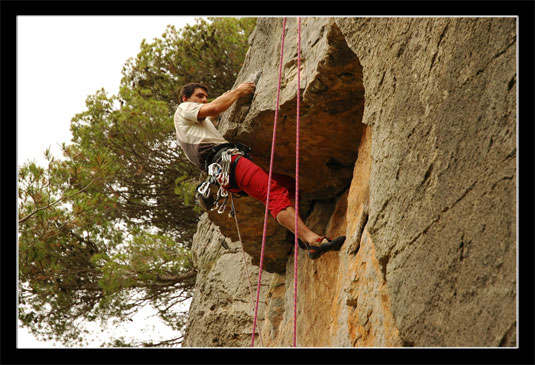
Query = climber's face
x=198 y=96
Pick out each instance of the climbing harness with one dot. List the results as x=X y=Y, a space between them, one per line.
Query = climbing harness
x=211 y=194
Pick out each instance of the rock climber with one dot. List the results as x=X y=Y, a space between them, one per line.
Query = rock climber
x=202 y=143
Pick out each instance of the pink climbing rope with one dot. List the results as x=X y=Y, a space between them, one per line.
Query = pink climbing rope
x=296 y=232
x=269 y=184
x=244 y=261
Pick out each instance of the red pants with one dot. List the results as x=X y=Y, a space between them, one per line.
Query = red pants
x=253 y=180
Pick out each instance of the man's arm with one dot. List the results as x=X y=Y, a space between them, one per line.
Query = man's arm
x=213 y=118
x=223 y=102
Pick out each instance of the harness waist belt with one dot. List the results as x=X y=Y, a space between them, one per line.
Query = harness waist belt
x=215 y=152
x=214 y=156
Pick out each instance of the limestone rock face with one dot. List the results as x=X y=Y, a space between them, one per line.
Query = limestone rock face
x=330 y=111
x=330 y=122
x=408 y=149
x=221 y=309
x=442 y=104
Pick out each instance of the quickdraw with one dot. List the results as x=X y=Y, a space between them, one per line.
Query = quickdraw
x=211 y=194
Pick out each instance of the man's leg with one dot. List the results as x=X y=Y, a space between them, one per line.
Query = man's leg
x=286 y=218
x=253 y=180
x=317 y=245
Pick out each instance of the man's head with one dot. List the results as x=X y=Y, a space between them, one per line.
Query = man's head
x=194 y=92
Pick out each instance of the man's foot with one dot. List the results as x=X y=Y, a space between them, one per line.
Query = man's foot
x=325 y=244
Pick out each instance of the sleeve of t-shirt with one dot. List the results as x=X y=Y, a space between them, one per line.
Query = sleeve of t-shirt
x=190 y=111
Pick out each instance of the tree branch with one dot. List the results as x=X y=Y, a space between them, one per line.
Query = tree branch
x=22 y=220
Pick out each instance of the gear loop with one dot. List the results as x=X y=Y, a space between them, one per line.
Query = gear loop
x=219 y=174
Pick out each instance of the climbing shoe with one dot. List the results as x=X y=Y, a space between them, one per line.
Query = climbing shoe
x=325 y=244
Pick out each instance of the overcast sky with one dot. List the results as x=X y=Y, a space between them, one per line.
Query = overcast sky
x=60 y=61
x=63 y=59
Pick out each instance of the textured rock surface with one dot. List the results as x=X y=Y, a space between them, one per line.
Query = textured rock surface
x=331 y=111
x=342 y=297
x=428 y=203
x=221 y=309
x=441 y=101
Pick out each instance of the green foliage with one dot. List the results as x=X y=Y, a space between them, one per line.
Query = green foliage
x=107 y=229
x=138 y=139
x=61 y=228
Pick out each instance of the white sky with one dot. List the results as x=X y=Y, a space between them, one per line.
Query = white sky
x=60 y=61
x=63 y=59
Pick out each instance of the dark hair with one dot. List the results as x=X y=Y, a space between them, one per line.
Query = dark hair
x=187 y=90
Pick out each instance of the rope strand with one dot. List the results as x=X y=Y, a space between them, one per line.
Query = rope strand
x=296 y=235
x=244 y=261
x=269 y=184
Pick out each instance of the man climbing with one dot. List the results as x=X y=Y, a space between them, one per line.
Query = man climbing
x=203 y=145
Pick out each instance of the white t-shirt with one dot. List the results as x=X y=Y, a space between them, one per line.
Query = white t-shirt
x=195 y=137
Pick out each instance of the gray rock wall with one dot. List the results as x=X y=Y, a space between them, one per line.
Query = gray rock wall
x=441 y=97
x=221 y=312
x=424 y=186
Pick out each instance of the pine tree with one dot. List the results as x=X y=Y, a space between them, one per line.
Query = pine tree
x=108 y=227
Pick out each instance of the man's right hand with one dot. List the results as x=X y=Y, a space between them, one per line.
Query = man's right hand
x=223 y=102
x=246 y=88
